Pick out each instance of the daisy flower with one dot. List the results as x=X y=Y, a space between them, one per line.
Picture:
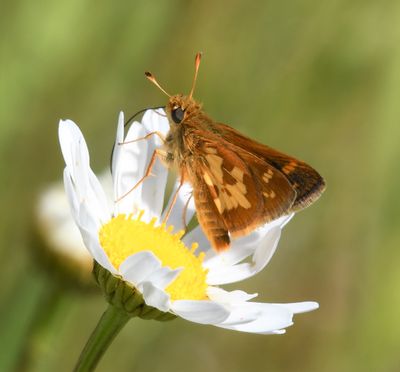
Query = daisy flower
x=169 y=272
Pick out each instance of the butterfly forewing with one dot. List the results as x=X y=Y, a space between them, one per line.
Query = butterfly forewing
x=243 y=190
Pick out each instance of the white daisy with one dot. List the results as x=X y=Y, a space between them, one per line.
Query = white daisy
x=131 y=241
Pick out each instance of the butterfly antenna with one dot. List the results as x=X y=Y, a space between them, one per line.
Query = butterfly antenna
x=151 y=77
x=196 y=70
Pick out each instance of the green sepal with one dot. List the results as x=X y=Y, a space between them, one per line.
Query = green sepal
x=125 y=296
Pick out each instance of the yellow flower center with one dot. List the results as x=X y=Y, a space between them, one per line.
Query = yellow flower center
x=125 y=235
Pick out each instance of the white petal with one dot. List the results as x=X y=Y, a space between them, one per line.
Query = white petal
x=85 y=184
x=71 y=195
x=156 y=120
x=88 y=225
x=237 y=317
x=129 y=169
x=106 y=181
x=203 y=312
x=215 y=260
x=301 y=307
x=218 y=275
x=76 y=156
x=277 y=332
x=154 y=188
x=92 y=243
x=221 y=296
x=243 y=247
x=119 y=138
x=97 y=198
x=88 y=220
x=266 y=249
x=155 y=297
x=73 y=145
x=84 y=216
x=230 y=274
x=256 y=317
x=138 y=267
x=254 y=238
x=176 y=216
x=162 y=277
x=286 y=220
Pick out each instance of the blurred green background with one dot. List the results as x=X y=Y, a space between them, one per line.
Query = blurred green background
x=316 y=79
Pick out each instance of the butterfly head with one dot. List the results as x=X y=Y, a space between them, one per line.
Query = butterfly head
x=180 y=108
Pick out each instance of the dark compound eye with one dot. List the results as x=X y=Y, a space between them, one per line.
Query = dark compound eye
x=177 y=115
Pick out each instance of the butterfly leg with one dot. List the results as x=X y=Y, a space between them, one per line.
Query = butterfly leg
x=161 y=154
x=169 y=210
x=147 y=136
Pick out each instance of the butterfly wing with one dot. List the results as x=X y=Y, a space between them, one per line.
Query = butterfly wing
x=235 y=191
x=308 y=184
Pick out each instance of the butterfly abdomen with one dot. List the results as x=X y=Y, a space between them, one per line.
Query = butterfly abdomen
x=213 y=227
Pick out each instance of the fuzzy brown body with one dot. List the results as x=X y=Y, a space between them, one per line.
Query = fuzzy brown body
x=238 y=183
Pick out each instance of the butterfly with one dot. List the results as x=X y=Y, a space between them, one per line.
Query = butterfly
x=238 y=183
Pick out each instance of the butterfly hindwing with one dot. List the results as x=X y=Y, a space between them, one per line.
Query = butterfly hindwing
x=308 y=184
x=278 y=195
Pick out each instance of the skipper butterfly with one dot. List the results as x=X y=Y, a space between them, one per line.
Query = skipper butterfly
x=238 y=183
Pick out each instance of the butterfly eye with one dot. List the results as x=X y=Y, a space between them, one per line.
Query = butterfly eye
x=177 y=115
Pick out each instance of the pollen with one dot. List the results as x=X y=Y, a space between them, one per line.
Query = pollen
x=125 y=235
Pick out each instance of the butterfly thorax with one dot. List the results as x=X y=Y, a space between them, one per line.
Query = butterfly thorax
x=187 y=121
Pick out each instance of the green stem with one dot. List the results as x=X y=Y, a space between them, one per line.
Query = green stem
x=109 y=325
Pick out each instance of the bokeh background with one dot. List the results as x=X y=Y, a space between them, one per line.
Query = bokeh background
x=316 y=79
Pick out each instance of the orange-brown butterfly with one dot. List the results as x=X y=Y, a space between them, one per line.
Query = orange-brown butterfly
x=238 y=183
